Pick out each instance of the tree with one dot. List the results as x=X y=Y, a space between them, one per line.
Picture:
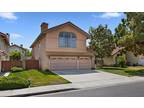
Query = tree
x=15 y=55
x=28 y=53
x=102 y=42
x=121 y=30
x=133 y=39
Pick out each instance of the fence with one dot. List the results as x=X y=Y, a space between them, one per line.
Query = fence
x=27 y=64
x=31 y=64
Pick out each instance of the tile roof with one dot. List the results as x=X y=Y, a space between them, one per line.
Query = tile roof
x=116 y=50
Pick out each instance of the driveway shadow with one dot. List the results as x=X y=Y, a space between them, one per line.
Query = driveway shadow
x=75 y=72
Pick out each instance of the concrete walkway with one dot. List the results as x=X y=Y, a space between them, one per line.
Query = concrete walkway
x=72 y=86
x=4 y=74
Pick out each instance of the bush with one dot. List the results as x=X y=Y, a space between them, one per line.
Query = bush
x=47 y=70
x=115 y=65
x=16 y=69
x=121 y=61
x=136 y=64
x=136 y=72
x=8 y=83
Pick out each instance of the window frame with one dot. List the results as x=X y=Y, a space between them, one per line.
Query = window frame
x=69 y=40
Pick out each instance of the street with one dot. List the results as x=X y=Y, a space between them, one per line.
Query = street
x=124 y=90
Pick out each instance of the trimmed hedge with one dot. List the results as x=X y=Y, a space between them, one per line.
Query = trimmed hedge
x=16 y=69
x=9 y=83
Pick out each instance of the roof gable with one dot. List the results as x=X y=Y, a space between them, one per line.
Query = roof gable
x=14 y=45
x=41 y=35
x=68 y=24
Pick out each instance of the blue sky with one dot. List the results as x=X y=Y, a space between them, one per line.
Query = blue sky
x=25 y=27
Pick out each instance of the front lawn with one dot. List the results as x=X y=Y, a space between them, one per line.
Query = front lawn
x=39 y=78
x=129 y=71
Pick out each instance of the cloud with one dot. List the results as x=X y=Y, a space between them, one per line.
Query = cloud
x=107 y=15
x=15 y=36
x=8 y=15
x=110 y=15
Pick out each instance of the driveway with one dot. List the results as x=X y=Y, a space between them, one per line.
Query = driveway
x=87 y=75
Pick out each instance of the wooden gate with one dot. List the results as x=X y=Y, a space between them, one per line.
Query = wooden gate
x=31 y=64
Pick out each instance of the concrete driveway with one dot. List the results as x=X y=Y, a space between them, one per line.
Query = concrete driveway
x=87 y=75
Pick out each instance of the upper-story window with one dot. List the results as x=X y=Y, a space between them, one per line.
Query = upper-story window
x=67 y=40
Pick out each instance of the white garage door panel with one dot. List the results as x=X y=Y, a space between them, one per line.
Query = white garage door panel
x=59 y=63
x=84 y=63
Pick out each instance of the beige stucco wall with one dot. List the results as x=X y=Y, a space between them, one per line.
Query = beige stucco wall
x=108 y=61
x=131 y=58
x=52 y=40
x=141 y=60
x=3 y=47
x=39 y=53
x=49 y=44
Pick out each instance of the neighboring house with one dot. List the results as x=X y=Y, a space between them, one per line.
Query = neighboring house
x=134 y=60
x=131 y=59
x=62 y=47
x=4 y=44
x=111 y=60
x=18 y=48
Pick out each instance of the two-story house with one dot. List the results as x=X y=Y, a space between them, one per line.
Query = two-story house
x=62 y=47
x=4 y=44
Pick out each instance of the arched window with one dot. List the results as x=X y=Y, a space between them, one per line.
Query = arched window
x=67 y=40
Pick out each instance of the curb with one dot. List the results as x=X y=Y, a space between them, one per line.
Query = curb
x=38 y=93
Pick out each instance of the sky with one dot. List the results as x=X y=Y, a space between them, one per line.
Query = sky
x=24 y=27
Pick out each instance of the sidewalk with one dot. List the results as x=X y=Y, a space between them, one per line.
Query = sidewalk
x=71 y=86
x=36 y=90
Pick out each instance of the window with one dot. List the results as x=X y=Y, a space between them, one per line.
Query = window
x=67 y=40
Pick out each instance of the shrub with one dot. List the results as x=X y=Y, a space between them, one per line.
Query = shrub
x=116 y=65
x=8 y=83
x=136 y=64
x=47 y=70
x=121 y=61
x=16 y=69
x=15 y=55
x=136 y=72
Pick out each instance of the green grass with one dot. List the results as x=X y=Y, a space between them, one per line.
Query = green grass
x=129 y=71
x=39 y=78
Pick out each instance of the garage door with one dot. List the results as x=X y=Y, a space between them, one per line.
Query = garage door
x=61 y=63
x=84 y=63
